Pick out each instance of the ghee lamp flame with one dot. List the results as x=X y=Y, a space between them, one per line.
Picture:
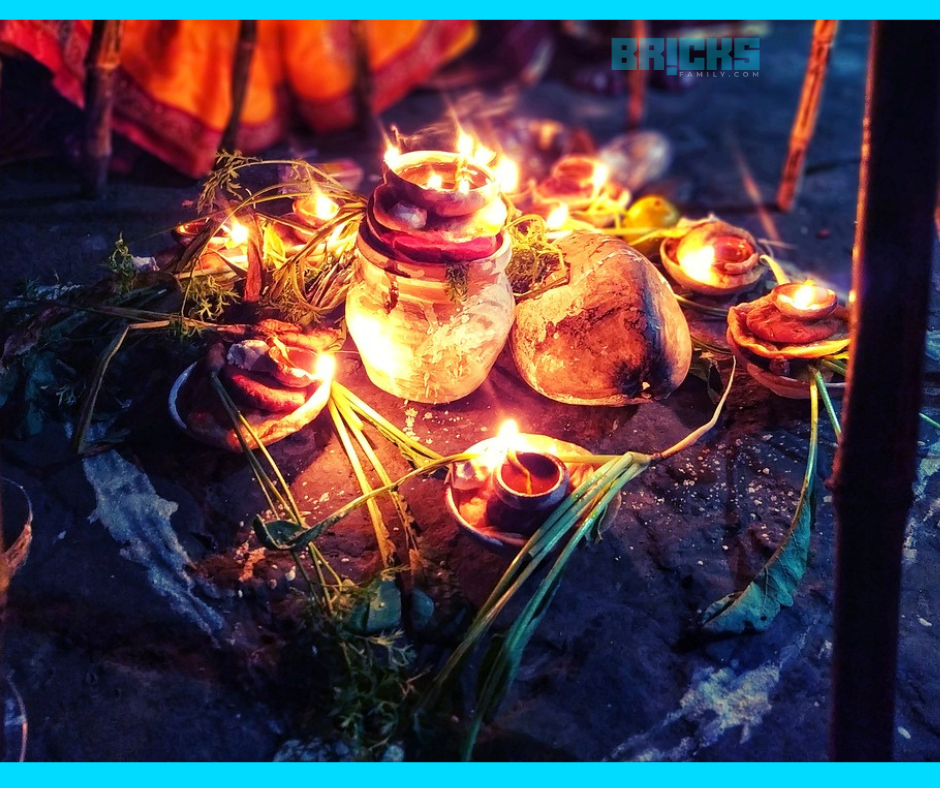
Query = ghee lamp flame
x=600 y=176
x=482 y=155
x=557 y=218
x=698 y=263
x=463 y=186
x=391 y=155
x=507 y=431
x=465 y=144
x=324 y=208
x=326 y=367
x=238 y=233
x=507 y=173
x=806 y=300
x=435 y=181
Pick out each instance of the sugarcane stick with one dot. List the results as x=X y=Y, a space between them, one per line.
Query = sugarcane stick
x=101 y=62
x=241 y=68
x=804 y=124
x=362 y=85
x=636 y=80
x=876 y=461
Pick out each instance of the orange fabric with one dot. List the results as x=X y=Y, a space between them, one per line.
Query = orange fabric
x=175 y=76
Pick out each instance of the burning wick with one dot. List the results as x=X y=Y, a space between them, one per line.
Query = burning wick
x=482 y=156
x=463 y=186
x=599 y=176
x=465 y=145
x=238 y=233
x=557 y=218
x=507 y=173
x=326 y=367
x=807 y=300
x=435 y=181
x=391 y=155
x=698 y=263
x=323 y=207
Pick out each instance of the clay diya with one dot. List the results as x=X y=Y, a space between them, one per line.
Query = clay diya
x=778 y=336
x=713 y=258
x=277 y=375
x=515 y=483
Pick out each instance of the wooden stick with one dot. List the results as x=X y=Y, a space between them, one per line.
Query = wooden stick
x=876 y=460
x=241 y=68
x=636 y=81
x=805 y=122
x=101 y=62
x=362 y=85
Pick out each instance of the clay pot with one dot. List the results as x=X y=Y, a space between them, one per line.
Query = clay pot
x=614 y=335
x=417 y=341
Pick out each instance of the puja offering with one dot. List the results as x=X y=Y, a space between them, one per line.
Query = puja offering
x=713 y=258
x=777 y=336
x=277 y=375
x=430 y=306
x=517 y=479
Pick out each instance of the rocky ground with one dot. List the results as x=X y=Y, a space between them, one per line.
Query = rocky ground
x=149 y=624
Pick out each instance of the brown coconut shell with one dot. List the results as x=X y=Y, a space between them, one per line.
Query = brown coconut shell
x=614 y=335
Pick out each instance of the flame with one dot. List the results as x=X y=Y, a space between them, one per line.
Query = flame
x=507 y=430
x=483 y=155
x=600 y=175
x=465 y=144
x=323 y=207
x=435 y=181
x=557 y=218
x=803 y=296
x=238 y=233
x=507 y=174
x=326 y=366
x=391 y=155
x=463 y=186
x=698 y=263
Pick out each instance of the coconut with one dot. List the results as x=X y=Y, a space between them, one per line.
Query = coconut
x=614 y=335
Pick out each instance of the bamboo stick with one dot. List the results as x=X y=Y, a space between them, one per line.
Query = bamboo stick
x=241 y=68
x=101 y=63
x=636 y=81
x=876 y=460
x=804 y=124
x=363 y=85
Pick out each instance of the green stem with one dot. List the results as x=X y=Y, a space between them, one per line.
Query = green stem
x=827 y=402
x=386 y=548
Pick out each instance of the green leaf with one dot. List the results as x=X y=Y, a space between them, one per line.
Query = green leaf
x=704 y=366
x=380 y=610
x=776 y=584
x=422 y=609
x=276 y=534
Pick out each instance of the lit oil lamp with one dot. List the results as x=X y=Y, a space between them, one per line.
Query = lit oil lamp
x=230 y=235
x=513 y=484
x=713 y=258
x=575 y=181
x=528 y=486
x=777 y=337
x=450 y=184
x=806 y=300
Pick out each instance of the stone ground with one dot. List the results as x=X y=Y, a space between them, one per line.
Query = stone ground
x=148 y=624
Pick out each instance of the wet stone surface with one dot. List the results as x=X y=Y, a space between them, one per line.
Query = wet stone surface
x=148 y=622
